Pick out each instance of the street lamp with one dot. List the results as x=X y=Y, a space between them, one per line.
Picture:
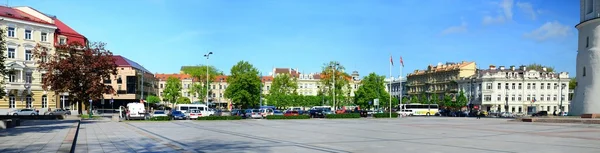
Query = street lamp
x=562 y=86
x=207 y=76
x=334 y=66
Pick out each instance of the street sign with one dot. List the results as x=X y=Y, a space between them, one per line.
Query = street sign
x=370 y=102
x=376 y=101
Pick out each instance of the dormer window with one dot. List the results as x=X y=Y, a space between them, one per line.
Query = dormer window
x=62 y=41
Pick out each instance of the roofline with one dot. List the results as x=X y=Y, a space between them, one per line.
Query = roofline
x=39 y=24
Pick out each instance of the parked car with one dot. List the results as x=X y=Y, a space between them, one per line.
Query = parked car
x=222 y=113
x=405 y=113
x=507 y=115
x=159 y=113
x=25 y=111
x=540 y=113
x=58 y=112
x=297 y=109
x=266 y=112
x=194 y=114
x=277 y=112
x=238 y=112
x=317 y=113
x=178 y=115
x=253 y=113
x=291 y=113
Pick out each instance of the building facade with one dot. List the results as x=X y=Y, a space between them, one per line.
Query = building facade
x=588 y=57
x=132 y=83
x=397 y=87
x=517 y=90
x=440 y=79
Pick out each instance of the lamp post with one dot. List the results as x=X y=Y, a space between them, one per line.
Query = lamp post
x=261 y=90
x=207 y=76
x=334 y=67
x=506 y=93
x=560 y=106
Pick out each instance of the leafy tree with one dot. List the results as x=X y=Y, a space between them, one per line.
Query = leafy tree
x=199 y=74
x=372 y=88
x=414 y=99
x=535 y=66
x=244 y=85
x=341 y=79
x=77 y=69
x=405 y=100
x=461 y=100
x=423 y=99
x=183 y=100
x=172 y=90
x=448 y=100
x=572 y=83
x=3 y=71
x=152 y=99
x=282 y=88
x=435 y=99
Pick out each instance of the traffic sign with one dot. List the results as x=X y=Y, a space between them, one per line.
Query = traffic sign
x=376 y=102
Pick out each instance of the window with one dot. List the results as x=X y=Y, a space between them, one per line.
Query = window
x=28 y=101
x=528 y=97
x=533 y=97
x=220 y=86
x=161 y=86
x=589 y=6
x=11 y=101
x=528 y=85
x=513 y=86
x=542 y=98
x=520 y=86
x=499 y=85
x=12 y=53
x=11 y=32
x=44 y=37
x=542 y=86
x=213 y=87
x=583 y=70
x=548 y=86
x=489 y=86
x=62 y=41
x=519 y=99
x=28 y=55
x=548 y=98
x=487 y=97
x=44 y=101
x=119 y=80
x=499 y=98
x=43 y=76
x=562 y=97
x=107 y=81
x=28 y=77
x=533 y=86
x=506 y=86
x=513 y=98
x=555 y=98
x=587 y=42
x=28 y=34
x=12 y=78
x=221 y=95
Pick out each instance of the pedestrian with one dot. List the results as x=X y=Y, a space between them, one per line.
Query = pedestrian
x=554 y=113
x=478 y=114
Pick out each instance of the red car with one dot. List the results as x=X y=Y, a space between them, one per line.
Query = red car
x=291 y=113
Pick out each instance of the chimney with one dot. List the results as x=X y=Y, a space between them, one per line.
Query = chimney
x=523 y=67
x=512 y=68
x=492 y=67
x=544 y=69
x=501 y=67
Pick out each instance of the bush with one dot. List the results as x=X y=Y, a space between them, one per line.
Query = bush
x=281 y=117
x=349 y=115
x=385 y=115
x=160 y=118
x=87 y=116
x=220 y=118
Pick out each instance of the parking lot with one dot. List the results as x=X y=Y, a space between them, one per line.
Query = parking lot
x=417 y=134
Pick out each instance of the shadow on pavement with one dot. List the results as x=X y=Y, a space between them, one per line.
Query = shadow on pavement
x=38 y=126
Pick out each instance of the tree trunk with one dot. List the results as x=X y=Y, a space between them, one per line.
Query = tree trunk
x=79 y=107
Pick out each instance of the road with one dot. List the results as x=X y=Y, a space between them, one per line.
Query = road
x=423 y=135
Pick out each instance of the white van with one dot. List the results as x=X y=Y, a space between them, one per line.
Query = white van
x=136 y=111
x=204 y=110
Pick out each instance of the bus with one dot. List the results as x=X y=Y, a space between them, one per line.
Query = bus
x=421 y=109
x=185 y=107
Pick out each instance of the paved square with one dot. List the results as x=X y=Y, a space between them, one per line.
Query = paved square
x=38 y=136
x=423 y=135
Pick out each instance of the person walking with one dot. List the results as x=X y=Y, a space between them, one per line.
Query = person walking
x=478 y=114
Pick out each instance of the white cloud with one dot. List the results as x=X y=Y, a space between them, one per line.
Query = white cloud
x=456 y=29
x=507 y=6
x=550 y=30
x=492 y=20
x=504 y=14
x=528 y=9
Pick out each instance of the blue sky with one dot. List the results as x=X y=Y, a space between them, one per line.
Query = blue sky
x=163 y=35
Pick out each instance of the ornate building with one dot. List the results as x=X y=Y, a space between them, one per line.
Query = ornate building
x=440 y=79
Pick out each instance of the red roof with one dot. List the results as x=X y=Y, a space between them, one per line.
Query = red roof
x=20 y=15
x=124 y=62
x=166 y=76
x=267 y=79
x=65 y=30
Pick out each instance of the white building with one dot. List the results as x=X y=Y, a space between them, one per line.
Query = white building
x=517 y=90
x=398 y=87
x=588 y=59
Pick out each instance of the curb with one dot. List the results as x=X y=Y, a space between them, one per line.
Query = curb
x=70 y=141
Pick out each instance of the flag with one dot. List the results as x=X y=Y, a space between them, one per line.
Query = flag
x=401 y=61
x=391 y=60
x=533 y=101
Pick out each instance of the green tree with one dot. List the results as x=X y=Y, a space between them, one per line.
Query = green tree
x=461 y=100
x=405 y=100
x=414 y=99
x=372 y=87
x=448 y=101
x=282 y=88
x=152 y=99
x=3 y=71
x=199 y=74
x=423 y=99
x=435 y=99
x=244 y=85
x=572 y=83
x=535 y=66
x=341 y=80
x=183 y=100
x=172 y=90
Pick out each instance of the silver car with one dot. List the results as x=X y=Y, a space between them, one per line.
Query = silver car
x=26 y=111
x=58 y=112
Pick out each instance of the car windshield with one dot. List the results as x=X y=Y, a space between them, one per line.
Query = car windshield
x=255 y=110
x=177 y=112
x=159 y=112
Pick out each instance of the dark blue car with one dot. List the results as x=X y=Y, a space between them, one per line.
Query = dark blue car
x=178 y=115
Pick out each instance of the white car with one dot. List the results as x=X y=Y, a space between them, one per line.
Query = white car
x=193 y=114
x=136 y=111
x=159 y=113
x=405 y=113
x=26 y=111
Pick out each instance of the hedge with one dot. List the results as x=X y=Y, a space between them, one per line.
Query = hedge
x=220 y=118
x=281 y=117
x=160 y=118
x=385 y=115
x=349 y=115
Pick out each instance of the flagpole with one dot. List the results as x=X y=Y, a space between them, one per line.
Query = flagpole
x=401 y=88
x=390 y=87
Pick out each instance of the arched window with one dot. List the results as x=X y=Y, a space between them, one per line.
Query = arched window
x=28 y=101
x=584 y=71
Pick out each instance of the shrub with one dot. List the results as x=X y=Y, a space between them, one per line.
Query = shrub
x=349 y=115
x=220 y=118
x=86 y=116
x=385 y=115
x=281 y=117
x=160 y=118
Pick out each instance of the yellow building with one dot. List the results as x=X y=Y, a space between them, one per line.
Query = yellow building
x=440 y=79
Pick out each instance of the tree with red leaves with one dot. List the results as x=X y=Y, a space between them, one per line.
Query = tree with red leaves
x=77 y=69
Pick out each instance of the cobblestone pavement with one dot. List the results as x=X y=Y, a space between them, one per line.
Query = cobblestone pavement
x=424 y=135
x=42 y=136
